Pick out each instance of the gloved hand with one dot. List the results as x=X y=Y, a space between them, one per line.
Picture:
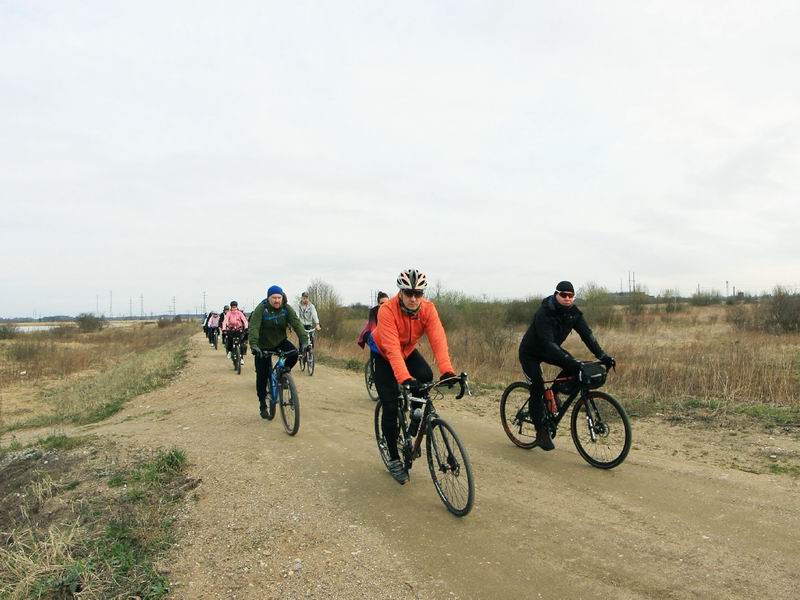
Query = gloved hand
x=607 y=361
x=256 y=351
x=448 y=375
x=412 y=387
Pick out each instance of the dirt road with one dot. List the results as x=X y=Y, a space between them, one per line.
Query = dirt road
x=317 y=515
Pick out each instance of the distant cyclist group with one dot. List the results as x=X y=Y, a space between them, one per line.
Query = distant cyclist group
x=403 y=380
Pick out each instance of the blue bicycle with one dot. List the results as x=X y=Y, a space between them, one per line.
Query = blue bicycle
x=283 y=393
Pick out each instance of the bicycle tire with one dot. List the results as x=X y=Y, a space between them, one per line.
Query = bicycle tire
x=289 y=405
x=515 y=415
x=450 y=467
x=237 y=359
x=383 y=448
x=611 y=425
x=310 y=362
x=302 y=361
x=369 y=380
x=270 y=409
x=216 y=338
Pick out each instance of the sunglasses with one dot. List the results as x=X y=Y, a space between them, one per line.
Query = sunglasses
x=414 y=293
x=566 y=294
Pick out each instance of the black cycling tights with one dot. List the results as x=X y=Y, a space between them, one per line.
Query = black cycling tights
x=264 y=369
x=386 y=384
x=532 y=366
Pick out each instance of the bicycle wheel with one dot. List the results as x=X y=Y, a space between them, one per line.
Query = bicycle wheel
x=237 y=359
x=310 y=362
x=369 y=379
x=216 y=340
x=450 y=468
x=302 y=361
x=290 y=405
x=606 y=442
x=515 y=415
x=383 y=447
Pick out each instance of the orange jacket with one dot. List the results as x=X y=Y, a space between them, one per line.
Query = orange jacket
x=398 y=332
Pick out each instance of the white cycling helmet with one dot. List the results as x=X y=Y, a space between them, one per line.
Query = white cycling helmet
x=412 y=279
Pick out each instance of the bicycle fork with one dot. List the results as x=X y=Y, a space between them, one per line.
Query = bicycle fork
x=589 y=419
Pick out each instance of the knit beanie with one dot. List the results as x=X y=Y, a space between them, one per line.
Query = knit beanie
x=565 y=286
x=274 y=289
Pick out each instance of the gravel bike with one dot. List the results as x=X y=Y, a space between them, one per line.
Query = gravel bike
x=283 y=392
x=448 y=461
x=599 y=425
x=214 y=337
x=306 y=358
x=237 y=343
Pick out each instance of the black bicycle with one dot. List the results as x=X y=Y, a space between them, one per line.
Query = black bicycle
x=369 y=379
x=448 y=461
x=600 y=426
x=306 y=358
x=215 y=337
x=283 y=393
x=237 y=348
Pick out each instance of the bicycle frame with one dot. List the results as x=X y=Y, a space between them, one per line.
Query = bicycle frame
x=277 y=371
x=429 y=411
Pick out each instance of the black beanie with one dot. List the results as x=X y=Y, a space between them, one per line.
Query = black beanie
x=565 y=286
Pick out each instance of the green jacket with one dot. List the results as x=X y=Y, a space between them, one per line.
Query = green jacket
x=268 y=325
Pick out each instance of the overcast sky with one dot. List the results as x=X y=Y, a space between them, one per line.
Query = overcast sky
x=166 y=148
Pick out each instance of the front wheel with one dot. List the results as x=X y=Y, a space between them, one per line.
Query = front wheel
x=515 y=415
x=216 y=340
x=603 y=435
x=310 y=362
x=369 y=379
x=290 y=405
x=450 y=468
x=237 y=359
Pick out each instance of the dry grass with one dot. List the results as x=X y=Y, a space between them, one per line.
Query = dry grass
x=683 y=360
x=65 y=350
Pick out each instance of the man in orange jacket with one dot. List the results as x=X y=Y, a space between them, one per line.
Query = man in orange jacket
x=401 y=323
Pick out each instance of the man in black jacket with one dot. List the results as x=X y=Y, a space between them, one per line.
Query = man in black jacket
x=552 y=323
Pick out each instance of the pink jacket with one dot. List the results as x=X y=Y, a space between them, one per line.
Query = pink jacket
x=213 y=321
x=235 y=320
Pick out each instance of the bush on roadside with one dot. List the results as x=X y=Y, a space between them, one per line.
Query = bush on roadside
x=8 y=331
x=782 y=311
x=597 y=305
x=88 y=323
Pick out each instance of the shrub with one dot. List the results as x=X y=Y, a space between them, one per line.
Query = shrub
x=597 y=305
x=671 y=300
x=329 y=307
x=782 y=311
x=706 y=298
x=88 y=322
x=8 y=331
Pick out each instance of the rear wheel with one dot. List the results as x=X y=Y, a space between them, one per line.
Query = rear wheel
x=369 y=379
x=603 y=435
x=450 y=468
x=515 y=415
x=310 y=361
x=383 y=447
x=290 y=405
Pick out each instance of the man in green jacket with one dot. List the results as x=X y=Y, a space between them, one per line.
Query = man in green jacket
x=268 y=324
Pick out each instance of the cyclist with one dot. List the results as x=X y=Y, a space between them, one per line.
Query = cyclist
x=234 y=322
x=372 y=321
x=552 y=323
x=268 y=324
x=213 y=325
x=402 y=321
x=225 y=310
x=308 y=316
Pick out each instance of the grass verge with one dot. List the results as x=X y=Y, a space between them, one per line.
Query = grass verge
x=71 y=534
x=98 y=396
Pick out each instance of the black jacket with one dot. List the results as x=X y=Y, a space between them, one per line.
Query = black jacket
x=551 y=325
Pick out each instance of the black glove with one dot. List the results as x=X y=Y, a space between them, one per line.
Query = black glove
x=607 y=361
x=256 y=351
x=412 y=387
x=448 y=375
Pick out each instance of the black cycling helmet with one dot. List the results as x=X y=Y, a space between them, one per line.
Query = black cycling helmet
x=234 y=303
x=226 y=307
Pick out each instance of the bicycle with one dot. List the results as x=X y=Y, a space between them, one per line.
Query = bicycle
x=306 y=358
x=369 y=379
x=603 y=440
x=283 y=392
x=448 y=461
x=237 y=342
x=215 y=337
